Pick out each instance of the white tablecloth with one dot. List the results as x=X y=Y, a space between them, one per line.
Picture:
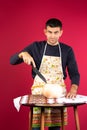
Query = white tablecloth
x=23 y=99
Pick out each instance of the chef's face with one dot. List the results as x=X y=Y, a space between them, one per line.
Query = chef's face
x=53 y=34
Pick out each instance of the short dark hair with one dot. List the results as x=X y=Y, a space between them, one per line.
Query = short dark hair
x=53 y=22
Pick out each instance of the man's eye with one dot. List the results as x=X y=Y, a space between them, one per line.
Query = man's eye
x=56 y=32
x=49 y=32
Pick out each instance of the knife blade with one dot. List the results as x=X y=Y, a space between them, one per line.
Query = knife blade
x=39 y=74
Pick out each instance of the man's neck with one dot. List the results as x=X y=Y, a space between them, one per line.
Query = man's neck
x=53 y=44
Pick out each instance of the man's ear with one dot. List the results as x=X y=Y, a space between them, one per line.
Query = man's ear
x=61 y=33
x=45 y=31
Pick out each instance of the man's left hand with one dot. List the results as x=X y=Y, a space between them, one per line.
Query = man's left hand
x=73 y=91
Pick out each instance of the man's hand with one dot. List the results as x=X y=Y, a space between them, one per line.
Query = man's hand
x=73 y=91
x=27 y=58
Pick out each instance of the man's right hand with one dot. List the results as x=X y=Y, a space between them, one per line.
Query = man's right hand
x=27 y=58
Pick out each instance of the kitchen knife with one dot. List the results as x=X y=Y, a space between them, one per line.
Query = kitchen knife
x=39 y=74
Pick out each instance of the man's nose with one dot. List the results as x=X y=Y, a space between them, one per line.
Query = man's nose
x=53 y=35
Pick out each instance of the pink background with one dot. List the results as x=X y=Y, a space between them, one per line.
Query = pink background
x=22 y=22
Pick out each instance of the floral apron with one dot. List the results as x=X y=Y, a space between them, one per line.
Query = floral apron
x=51 y=68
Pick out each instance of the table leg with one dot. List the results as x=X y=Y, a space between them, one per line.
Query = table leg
x=62 y=118
x=76 y=118
x=42 y=119
x=30 y=118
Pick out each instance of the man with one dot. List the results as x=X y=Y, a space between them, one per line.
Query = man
x=51 y=57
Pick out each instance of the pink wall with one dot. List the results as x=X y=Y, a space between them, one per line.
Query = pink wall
x=22 y=22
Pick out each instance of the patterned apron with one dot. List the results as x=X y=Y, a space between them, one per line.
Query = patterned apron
x=51 y=68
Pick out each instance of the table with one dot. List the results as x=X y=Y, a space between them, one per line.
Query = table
x=57 y=105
